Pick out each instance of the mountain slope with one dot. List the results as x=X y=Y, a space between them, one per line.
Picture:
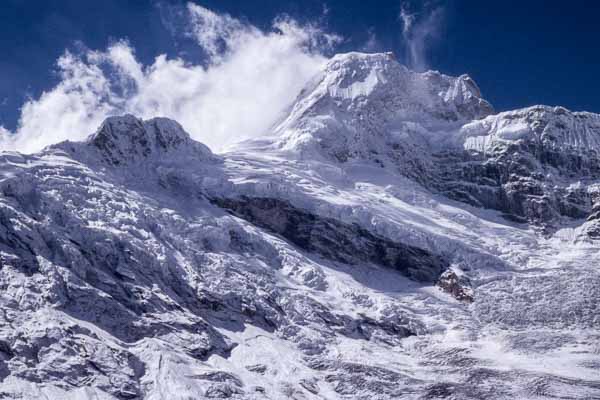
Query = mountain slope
x=352 y=254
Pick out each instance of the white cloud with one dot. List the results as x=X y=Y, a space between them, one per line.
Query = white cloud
x=418 y=30
x=217 y=33
x=249 y=79
x=372 y=44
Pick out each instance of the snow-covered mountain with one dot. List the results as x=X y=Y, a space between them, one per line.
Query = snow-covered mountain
x=391 y=238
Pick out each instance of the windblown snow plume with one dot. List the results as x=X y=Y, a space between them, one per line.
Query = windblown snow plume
x=420 y=27
x=249 y=77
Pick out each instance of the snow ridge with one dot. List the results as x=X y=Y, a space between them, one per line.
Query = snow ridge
x=553 y=127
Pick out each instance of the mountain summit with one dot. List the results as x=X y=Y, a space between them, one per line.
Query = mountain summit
x=361 y=100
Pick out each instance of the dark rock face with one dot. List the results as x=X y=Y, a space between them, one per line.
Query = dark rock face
x=514 y=185
x=127 y=139
x=335 y=240
x=456 y=286
x=592 y=225
x=108 y=137
x=538 y=178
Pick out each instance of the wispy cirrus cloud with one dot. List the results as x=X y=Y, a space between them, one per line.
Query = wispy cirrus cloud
x=421 y=27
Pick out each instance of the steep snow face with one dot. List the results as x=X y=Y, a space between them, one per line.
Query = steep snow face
x=364 y=104
x=547 y=128
x=352 y=81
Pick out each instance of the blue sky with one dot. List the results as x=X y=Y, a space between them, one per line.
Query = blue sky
x=519 y=52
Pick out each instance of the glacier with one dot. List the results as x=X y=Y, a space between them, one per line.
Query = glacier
x=392 y=237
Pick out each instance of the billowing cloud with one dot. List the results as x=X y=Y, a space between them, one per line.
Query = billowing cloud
x=250 y=77
x=218 y=33
x=419 y=28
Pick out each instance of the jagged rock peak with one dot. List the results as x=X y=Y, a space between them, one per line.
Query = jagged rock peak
x=124 y=139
